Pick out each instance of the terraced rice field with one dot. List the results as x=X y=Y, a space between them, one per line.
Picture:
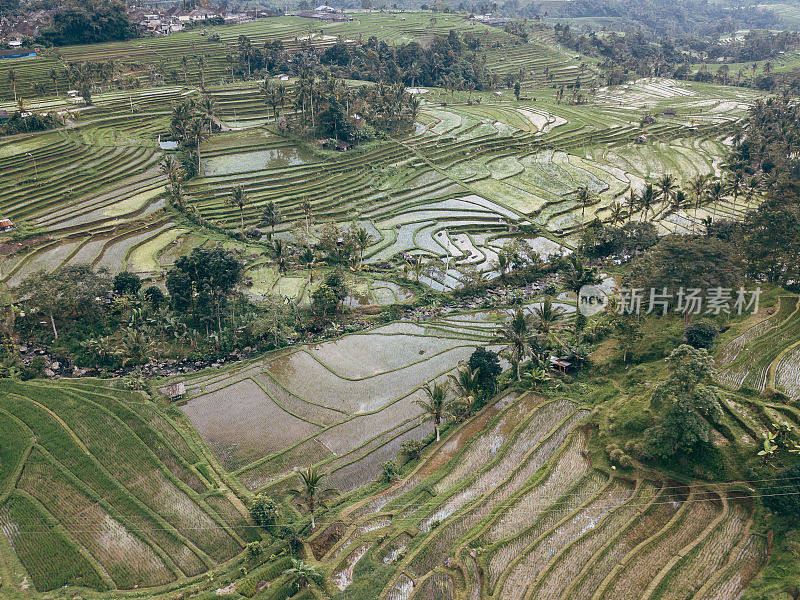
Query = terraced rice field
x=103 y=491
x=764 y=355
x=136 y=57
x=469 y=172
x=513 y=508
x=455 y=189
x=345 y=405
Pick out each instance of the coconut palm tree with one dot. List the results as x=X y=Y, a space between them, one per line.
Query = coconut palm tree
x=715 y=193
x=201 y=62
x=308 y=259
x=666 y=187
x=177 y=196
x=503 y=264
x=465 y=385
x=546 y=315
x=735 y=183
x=633 y=202
x=585 y=197
x=752 y=187
x=238 y=198
x=54 y=78
x=616 y=214
x=279 y=252
x=271 y=95
x=195 y=134
x=306 y=206
x=435 y=405
x=361 y=240
x=646 y=199
x=697 y=188
x=311 y=493
x=171 y=168
x=271 y=215
x=415 y=266
x=207 y=107
x=580 y=274
x=516 y=334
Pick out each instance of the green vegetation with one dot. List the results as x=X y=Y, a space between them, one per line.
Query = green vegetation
x=330 y=271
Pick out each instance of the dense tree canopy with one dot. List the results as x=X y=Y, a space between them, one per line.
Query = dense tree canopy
x=88 y=22
x=686 y=404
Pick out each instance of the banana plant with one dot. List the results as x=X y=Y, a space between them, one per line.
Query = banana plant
x=769 y=447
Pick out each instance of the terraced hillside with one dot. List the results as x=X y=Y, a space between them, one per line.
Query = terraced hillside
x=471 y=170
x=99 y=489
x=345 y=406
x=102 y=489
x=763 y=355
x=195 y=57
x=510 y=506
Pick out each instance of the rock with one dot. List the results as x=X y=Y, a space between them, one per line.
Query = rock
x=55 y=365
x=23 y=349
x=49 y=373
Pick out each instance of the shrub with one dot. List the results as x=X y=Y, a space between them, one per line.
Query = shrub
x=155 y=296
x=411 y=448
x=264 y=511
x=701 y=334
x=390 y=470
x=127 y=283
x=487 y=365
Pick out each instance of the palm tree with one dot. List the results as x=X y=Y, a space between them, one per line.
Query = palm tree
x=208 y=108
x=171 y=168
x=503 y=264
x=666 y=186
x=308 y=259
x=584 y=196
x=580 y=274
x=279 y=253
x=201 y=64
x=301 y=574
x=271 y=215
x=734 y=184
x=646 y=199
x=546 y=315
x=306 y=206
x=697 y=187
x=633 y=201
x=177 y=196
x=465 y=385
x=282 y=94
x=516 y=333
x=435 y=406
x=616 y=214
x=135 y=347
x=184 y=65
x=752 y=187
x=239 y=199
x=271 y=95
x=311 y=492
x=715 y=192
x=416 y=267
x=196 y=133
x=361 y=240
